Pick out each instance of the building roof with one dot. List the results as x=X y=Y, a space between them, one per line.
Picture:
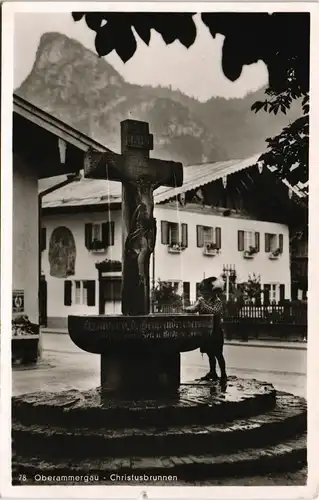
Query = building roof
x=53 y=125
x=98 y=192
x=95 y=192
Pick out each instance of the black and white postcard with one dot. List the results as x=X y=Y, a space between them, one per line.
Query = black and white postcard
x=157 y=287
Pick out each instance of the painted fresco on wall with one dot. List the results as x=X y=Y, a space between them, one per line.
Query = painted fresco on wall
x=62 y=253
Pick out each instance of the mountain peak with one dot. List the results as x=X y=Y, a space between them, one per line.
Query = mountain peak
x=74 y=84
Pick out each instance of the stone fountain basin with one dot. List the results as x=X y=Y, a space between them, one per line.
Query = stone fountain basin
x=157 y=332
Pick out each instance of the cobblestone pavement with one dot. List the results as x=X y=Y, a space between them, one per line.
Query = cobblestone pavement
x=65 y=366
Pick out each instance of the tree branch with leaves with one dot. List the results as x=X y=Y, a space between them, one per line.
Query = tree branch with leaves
x=279 y=39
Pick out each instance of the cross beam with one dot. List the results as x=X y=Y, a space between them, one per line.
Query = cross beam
x=140 y=175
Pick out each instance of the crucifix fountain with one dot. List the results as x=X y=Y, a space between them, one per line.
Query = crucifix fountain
x=142 y=420
x=139 y=352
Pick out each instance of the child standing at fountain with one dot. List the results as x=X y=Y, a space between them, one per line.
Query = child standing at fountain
x=210 y=303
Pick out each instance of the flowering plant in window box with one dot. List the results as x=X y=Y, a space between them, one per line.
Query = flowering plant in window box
x=210 y=249
x=249 y=254
x=176 y=247
x=98 y=246
x=275 y=254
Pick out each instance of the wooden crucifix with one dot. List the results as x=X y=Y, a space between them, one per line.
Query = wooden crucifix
x=140 y=175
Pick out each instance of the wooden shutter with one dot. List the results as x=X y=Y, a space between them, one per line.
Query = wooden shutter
x=200 y=236
x=108 y=233
x=90 y=285
x=267 y=242
x=218 y=237
x=240 y=241
x=164 y=232
x=266 y=295
x=67 y=293
x=88 y=236
x=184 y=235
x=257 y=241
x=281 y=293
x=43 y=239
x=281 y=243
x=186 y=290
x=105 y=234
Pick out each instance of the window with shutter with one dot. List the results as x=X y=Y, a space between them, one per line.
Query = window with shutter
x=281 y=243
x=200 y=236
x=78 y=293
x=184 y=235
x=186 y=291
x=218 y=237
x=240 y=241
x=164 y=232
x=249 y=240
x=267 y=242
x=97 y=232
x=67 y=293
x=112 y=289
x=88 y=236
x=257 y=241
x=108 y=233
x=266 y=294
x=173 y=233
x=209 y=235
x=90 y=295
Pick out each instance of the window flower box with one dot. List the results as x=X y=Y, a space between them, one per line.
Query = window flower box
x=175 y=248
x=210 y=249
x=98 y=246
x=275 y=254
x=250 y=253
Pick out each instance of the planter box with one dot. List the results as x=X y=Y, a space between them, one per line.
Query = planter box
x=98 y=250
x=248 y=255
x=212 y=252
x=174 y=250
x=273 y=257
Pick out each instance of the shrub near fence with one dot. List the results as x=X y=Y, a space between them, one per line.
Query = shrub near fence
x=244 y=321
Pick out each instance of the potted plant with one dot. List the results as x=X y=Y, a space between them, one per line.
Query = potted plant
x=275 y=253
x=98 y=245
x=250 y=252
x=210 y=248
x=165 y=297
x=175 y=247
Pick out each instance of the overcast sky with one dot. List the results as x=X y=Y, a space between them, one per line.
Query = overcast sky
x=195 y=71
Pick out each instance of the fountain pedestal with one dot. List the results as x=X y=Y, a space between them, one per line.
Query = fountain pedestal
x=139 y=354
x=140 y=374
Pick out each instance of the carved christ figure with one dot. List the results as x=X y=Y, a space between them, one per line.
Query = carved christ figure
x=142 y=236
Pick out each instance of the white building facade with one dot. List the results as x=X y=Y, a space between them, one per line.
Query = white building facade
x=193 y=242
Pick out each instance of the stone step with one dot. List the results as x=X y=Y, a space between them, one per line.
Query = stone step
x=195 y=403
x=289 y=455
x=288 y=418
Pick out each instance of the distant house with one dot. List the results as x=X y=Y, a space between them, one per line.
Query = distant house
x=225 y=213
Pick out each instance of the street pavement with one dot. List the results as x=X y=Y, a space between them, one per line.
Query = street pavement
x=65 y=366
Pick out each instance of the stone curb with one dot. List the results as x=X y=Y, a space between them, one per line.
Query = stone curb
x=290 y=455
x=196 y=403
x=285 y=421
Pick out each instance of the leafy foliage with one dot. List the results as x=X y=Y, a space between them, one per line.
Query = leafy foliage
x=281 y=40
x=249 y=290
x=165 y=293
x=114 y=31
